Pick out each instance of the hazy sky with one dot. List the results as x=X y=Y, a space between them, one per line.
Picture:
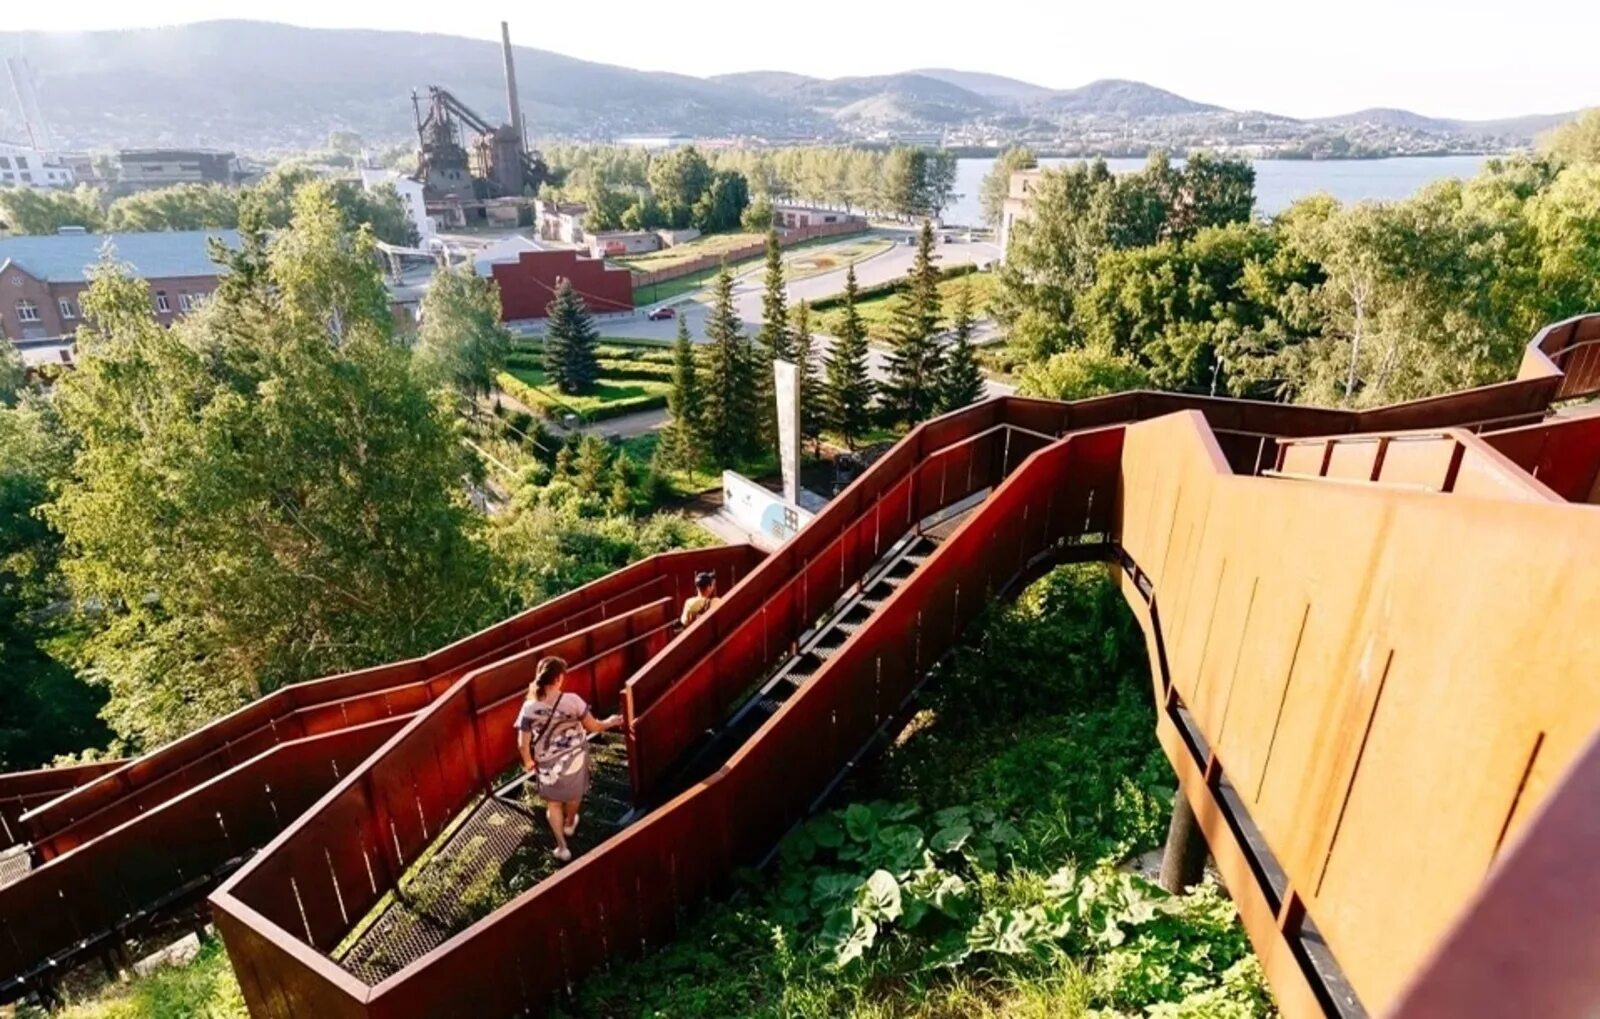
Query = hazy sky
x=1466 y=58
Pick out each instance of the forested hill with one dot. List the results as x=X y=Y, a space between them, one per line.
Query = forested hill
x=258 y=86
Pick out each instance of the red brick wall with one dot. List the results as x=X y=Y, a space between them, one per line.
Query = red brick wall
x=528 y=285
x=47 y=297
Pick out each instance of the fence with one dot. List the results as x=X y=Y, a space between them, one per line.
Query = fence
x=22 y=791
x=786 y=238
x=139 y=785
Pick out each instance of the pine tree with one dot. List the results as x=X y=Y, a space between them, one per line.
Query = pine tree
x=773 y=342
x=621 y=501
x=729 y=379
x=912 y=391
x=848 y=388
x=813 y=413
x=570 y=360
x=960 y=379
x=682 y=444
x=593 y=466
x=566 y=466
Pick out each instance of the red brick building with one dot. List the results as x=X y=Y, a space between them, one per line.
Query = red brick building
x=528 y=284
x=42 y=279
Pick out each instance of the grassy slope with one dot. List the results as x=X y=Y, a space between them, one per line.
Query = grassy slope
x=878 y=312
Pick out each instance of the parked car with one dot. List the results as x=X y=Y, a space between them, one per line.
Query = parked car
x=662 y=314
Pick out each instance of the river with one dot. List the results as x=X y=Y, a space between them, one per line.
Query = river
x=1279 y=182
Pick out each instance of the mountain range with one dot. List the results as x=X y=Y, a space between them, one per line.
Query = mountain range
x=259 y=86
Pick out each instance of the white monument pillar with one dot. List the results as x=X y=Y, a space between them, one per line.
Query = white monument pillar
x=786 y=384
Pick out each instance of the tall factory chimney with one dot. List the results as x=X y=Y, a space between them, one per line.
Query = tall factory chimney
x=513 y=105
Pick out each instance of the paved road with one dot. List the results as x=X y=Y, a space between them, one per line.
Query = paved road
x=747 y=290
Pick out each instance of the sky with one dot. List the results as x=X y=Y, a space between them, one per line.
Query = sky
x=1466 y=58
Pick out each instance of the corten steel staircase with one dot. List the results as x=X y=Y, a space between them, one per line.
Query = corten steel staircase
x=1366 y=649
x=123 y=848
x=1324 y=936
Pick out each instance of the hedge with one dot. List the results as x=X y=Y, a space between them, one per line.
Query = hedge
x=889 y=287
x=553 y=408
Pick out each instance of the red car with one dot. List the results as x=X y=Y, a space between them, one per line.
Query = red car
x=661 y=314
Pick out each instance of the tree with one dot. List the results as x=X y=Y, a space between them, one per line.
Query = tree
x=911 y=392
x=606 y=207
x=1081 y=373
x=682 y=440
x=180 y=207
x=593 y=467
x=13 y=374
x=381 y=209
x=678 y=180
x=813 y=412
x=997 y=182
x=722 y=203
x=960 y=379
x=849 y=387
x=38 y=211
x=1577 y=141
x=45 y=709
x=569 y=342
x=254 y=499
x=773 y=342
x=622 y=475
x=730 y=390
x=460 y=340
x=758 y=215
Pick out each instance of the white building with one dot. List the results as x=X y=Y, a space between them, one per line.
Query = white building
x=410 y=191
x=21 y=166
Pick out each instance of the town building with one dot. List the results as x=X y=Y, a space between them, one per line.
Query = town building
x=24 y=166
x=791 y=217
x=410 y=191
x=141 y=169
x=42 y=279
x=616 y=243
x=560 y=221
x=1019 y=194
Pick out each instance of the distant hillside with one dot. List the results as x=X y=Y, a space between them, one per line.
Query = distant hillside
x=995 y=87
x=1121 y=98
x=257 y=86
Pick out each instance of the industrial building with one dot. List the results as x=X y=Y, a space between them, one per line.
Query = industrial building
x=146 y=169
x=464 y=161
x=24 y=166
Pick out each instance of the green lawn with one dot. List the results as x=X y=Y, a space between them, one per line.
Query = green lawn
x=607 y=394
x=878 y=312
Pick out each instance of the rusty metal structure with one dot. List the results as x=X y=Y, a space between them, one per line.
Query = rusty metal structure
x=1365 y=632
x=462 y=157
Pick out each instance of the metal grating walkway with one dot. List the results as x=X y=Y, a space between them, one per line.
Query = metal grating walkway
x=498 y=849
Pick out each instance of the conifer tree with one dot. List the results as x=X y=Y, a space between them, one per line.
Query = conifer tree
x=960 y=379
x=683 y=444
x=773 y=342
x=566 y=466
x=593 y=466
x=813 y=410
x=570 y=360
x=911 y=393
x=729 y=392
x=848 y=389
x=621 y=501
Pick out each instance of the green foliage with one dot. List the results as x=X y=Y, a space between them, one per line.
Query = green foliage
x=45 y=710
x=728 y=370
x=679 y=180
x=460 y=341
x=960 y=378
x=889 y=288
x=1575 y=142
x=263 y=493
x=722 y=205
x=13 y=375
x=1082 y=372
x=41 y=211
x=604 y=401
x=847 y=388
x=774 y=342
x=683 y=443
x=989 y=886
x=757 y=215
x=202 y=989
x=997 y=182
x=380 y=210
x=1080 y=212
x=813 y=409
x=180 y=207
x=569 y=343
x=911 y=392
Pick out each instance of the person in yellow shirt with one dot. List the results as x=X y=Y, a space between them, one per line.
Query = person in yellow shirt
x=705 y=586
